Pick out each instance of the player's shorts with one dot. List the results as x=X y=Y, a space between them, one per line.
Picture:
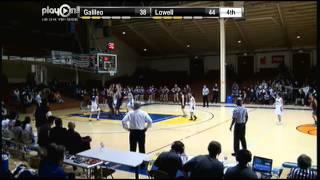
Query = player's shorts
x=191 y=108
x=95 y=108
x=278 y=111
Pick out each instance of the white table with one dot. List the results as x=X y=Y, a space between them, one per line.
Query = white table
x=132 y=159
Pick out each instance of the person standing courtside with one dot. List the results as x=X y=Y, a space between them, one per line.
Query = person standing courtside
x=205 y=93
x=134 y=121
x=215 y=93
x=239 y=118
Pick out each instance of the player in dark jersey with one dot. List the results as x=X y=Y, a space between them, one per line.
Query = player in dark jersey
x=183 y=102
x=314 y=106
x=110 y=94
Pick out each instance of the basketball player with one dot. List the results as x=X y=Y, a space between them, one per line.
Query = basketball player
x=187 y=90
x=192 y=105
x=279 y=107
x=314 y=106
x=136 y=93
x=165 y=94
x=183 y=102
x=117 y=101
x=153 y=93
x=130 y=101
x=176 y=91
x=149 y=92
x=141 y=93
x=94 y=106
x=110 y=99
x=160 y=93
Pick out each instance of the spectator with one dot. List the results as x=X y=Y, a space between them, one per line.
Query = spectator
x=4 y=111
x=44 y=130
x=27 y=133
x=215 y=93
x=38 y=98
x=303 y=170
x=205 y=93
x=170 y=162
x=8 y=125
x=17 y=131
x=206 y=166
x=51 y=165
x=241 y=170
x=16 y=96
x=40 y=114
x=74 y=142
x=58 y=133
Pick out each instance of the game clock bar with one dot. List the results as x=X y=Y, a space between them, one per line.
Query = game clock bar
x=159 y=12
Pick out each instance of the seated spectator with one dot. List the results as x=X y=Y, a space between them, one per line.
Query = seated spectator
x=170 y=162
x=206 y=166
x=74 y=142
x=51 y=164
x=44 y=130
x=8 y=124
x=27 y=133
x=57 y=97
x=17 y=131
x=16 y=96
x=58 y=133
x=241 y=170
x=303 y=170
x=6 y=133
x=4 y=111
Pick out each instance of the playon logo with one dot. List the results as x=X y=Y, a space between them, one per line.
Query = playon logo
x=64 y=10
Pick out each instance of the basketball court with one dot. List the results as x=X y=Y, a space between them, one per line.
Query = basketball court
x=282 y=143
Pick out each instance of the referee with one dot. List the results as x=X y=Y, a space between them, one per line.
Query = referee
x=134 y=121
x=239 y=118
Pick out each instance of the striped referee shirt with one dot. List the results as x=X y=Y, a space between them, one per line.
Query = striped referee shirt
x=298 y=173
x=240 y=114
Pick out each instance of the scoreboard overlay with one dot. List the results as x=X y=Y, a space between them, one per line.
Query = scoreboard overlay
x=159 y=12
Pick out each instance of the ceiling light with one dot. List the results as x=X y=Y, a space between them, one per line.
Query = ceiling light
x=298 y=37
x=123 y=33
x=145 y=49
x=239 y=41
x=188 y=45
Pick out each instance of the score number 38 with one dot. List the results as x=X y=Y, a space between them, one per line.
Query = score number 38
x=143 y=12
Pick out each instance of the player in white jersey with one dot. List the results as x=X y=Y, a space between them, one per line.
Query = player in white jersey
x=279 y=107
x=94 y=106
x=192 y=105
x=130 y=101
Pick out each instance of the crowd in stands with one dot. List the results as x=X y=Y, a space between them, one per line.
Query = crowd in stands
x=264 y=92
x=50 y=142
x=29 y=95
